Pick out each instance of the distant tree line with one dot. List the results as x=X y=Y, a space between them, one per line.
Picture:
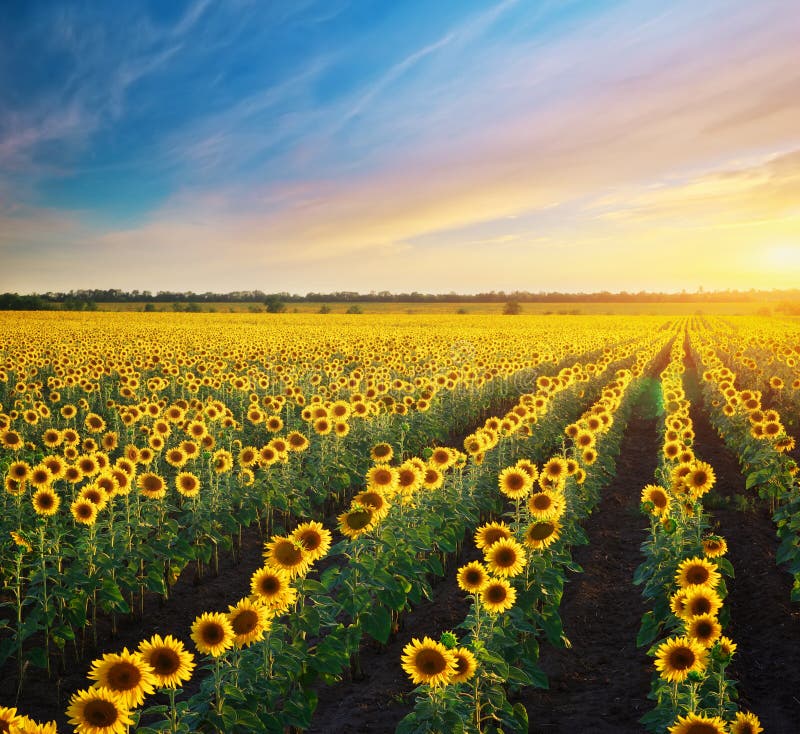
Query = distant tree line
x=83 y=300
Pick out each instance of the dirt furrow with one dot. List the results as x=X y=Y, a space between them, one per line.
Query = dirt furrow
x=600 y=684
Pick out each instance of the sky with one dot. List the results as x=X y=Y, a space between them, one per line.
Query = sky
x=324 y=145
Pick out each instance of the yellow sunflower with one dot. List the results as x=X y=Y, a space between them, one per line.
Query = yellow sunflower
x=679 y=656
x=84 y=511
x=428 y=662
x=746 y=723
x=490 y=533
x=98 y=710
x=700 y=600
x=514 y=483
x=187 y=484
x=703 y=628
x=714 y=546
x=466 y=665
x=541 y=534
x=45 y=502
x=287 y=555
x=498 y=596
x=126 y=674
x=698 y=724
x=697 y=572
x=506 y=557
x=472 y=577
x=272 y=587
x=249 y=622
x=172 y=664
x=356 y=521
x=212 y=633
x=314 y=538
x=658 y=497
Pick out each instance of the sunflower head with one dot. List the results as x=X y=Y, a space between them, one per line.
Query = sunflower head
x=542 y=533
x=515 y=483
x=698 y=724
x=506 y=557
x=697 y=572
x=286 y=554
x=212 y=633
x=98 y=710
x=472 y=577
x=249 y=621
x=428 y=662
x=172 y=664
x=125 y=673
x=490 y=533
x=746 y=723
x=498 y=596
x=679 y=656
x=466 y=665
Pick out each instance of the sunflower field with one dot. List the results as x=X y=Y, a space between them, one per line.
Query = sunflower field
x=296 y=522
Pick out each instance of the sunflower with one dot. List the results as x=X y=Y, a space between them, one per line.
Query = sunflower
x=585 y=440
x=697 y=572
x=746 y=723
x=7 y=717
x=176 y=457
x=287 y=555
x=222 y=461
x=11 y=440
x=703 y=628
x=323 y=426
x=545 y=505
x=679 y=656
x=381 y=453
x=126 y=674
x=45 y=502
x=356 y=521
x=375 y=501
x=700 y=600
x=555 y=469
x=172 y=664
x=212 y=633
x=466 y=665
x=698 y=724
x=84 y=511
x=20 y=470
x=428 y=662
x=658 y=497
x=382 y=477
x=514 y=483
x=541 y=534
x=248 y=456
x=726 y=647
x=490 y=533
x=314 y=538
x=272 y=588
x=187 y=484
x=152 y=485
x=498 y=596
x=472 y=577
x=589 y=456
x=529 y=468
x=506 y=557
x=98 y=710
x=249 y=622
x=26 y=725
x=700 y=479
x=297 y=441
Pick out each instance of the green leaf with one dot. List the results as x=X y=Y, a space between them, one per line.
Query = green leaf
x=378 y=624
x=648 y=630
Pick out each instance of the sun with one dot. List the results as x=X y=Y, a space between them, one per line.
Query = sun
x=783 y=256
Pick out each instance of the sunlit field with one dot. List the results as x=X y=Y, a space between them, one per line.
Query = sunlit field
x=329 y=477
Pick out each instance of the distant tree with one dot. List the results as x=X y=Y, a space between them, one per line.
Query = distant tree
x=462 y=311
x=149 y=307
x=512 y=308
x=193 y=307
x=254 y=308
x=355 y=308
x=275 y=304
x=324 y=308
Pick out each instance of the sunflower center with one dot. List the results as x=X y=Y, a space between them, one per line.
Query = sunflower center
x=701 y=605
x=310 y=540
x=541 y=531
x=542 y=501
x=703 y=630
x=681 y=658
x=151 y=484
x=505 y=557
x=165 y=661
x=496 y=593
x=492 y=535
x=100 y=713
x=358 y=520
x=270 y=585
x=287 y=554
x=213 y=633
x=515 y=482
x=659 y=499
x=699 y=727
x=124 y=676
x=697 y=575
x=431 y=662
x=84 y=511
x=245 y=621
x=46 y=501
x=473 y=577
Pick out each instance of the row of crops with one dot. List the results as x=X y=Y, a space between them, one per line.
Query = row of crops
x=137 y=451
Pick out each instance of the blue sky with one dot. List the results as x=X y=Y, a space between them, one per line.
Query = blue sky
x=360 y=145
